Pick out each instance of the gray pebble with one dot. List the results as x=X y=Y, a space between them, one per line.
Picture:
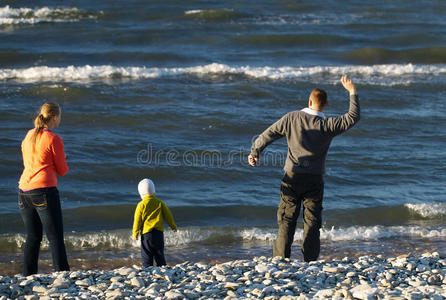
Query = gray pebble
x=173 y=295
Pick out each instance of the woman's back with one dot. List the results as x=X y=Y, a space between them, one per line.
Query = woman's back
x=42 y=160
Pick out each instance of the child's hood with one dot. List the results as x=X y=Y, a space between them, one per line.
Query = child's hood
x=146 y=187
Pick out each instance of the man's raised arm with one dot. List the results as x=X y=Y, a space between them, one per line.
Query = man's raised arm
x=340 y=124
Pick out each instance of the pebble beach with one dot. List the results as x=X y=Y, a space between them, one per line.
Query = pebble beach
x=177 y=91
x=366 y=277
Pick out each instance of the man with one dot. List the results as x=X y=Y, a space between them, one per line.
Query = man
x=309 y=134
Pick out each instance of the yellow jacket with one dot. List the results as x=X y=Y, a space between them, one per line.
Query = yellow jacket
x=149 y=214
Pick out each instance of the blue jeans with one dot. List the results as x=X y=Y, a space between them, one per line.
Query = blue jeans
x=40 y=209
x=152 y=247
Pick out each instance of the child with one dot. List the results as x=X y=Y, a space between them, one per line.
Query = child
x=148 y=221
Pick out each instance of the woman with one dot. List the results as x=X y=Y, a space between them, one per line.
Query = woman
x=39 y=203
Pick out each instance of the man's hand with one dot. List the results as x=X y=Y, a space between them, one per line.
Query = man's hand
x=348 y=85
x=253 y=161
x=134 y=238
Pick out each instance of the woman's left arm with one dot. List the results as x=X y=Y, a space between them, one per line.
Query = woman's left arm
x=59 y=156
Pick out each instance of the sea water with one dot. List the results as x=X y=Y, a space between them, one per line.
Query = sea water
x=177 y=91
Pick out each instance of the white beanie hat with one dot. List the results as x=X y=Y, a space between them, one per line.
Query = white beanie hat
x=146 y=187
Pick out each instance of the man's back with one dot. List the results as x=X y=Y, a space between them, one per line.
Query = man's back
x=309 y=135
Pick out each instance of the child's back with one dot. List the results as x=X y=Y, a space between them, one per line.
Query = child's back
x=149 y=218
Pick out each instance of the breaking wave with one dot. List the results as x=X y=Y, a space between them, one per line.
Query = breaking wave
x=24 y=15
x=388 y=75
x=213 y=15
x=121 y=239
x=428 y=210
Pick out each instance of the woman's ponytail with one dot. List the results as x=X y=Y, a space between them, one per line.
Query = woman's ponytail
x=47 y=112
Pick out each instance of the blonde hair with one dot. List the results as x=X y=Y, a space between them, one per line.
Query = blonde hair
x=47 y=112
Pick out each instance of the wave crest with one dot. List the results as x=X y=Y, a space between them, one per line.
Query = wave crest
x=391 y=74
x=428 y=210
x=121 y=239
x=212 y=15
x=24 y=15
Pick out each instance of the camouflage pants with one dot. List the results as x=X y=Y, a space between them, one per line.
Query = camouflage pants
x=297 y=189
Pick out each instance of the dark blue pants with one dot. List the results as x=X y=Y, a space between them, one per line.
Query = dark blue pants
x=152 y=247
x=40 y=209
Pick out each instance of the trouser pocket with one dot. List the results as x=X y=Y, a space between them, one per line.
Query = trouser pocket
x=39 y=201
x=280 y=212
x=289 y=205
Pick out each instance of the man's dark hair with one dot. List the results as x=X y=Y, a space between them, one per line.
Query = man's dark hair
x=319 y=97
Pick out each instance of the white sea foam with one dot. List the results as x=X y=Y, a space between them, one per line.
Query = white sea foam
x=193 y=11
x=121 y=239
x=24 y=15
x=188 y=235
x=390 y=74
x=201 y=11
x=306 y=19
x=104 y=240
x=428 y=210
x=352 y=233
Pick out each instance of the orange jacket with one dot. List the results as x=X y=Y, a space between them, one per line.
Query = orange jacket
x=43 y=162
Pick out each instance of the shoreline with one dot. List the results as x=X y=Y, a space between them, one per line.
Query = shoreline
x=88 y=259
x=367 y=277
x=205 y=253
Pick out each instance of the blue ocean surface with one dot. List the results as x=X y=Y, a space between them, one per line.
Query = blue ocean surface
x=177 y=91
